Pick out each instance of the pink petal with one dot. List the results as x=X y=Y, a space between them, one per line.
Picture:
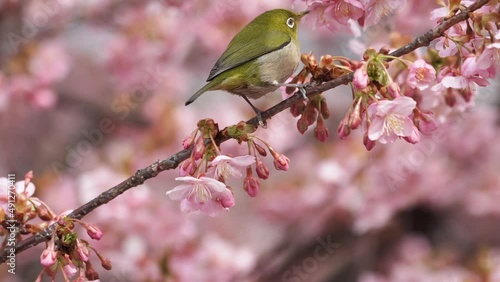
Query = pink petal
x=189 y=179
x=405 y=106
x=213 y=184
x=220 y=158
x=179 y=192
x=388 y=137
x=376 y=129
x=243 y=161
x=408 y=127
x=385 y=107
x=457 y=82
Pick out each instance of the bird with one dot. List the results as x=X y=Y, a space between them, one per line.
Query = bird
x=259 y=58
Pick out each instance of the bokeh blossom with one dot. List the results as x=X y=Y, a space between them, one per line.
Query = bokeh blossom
x=101 y=87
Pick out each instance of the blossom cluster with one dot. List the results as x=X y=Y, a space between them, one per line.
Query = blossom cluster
x=337 y=14
x=206 y=171
x=390 y=98
x=336 y=187
x=65 y=251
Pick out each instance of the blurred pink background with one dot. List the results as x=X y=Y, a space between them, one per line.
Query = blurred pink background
x=91 y=91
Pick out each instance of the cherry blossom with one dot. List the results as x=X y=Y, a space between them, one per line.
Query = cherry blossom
x=421 y=74
x=225 y=166
x=202 y=194
x=390 y=119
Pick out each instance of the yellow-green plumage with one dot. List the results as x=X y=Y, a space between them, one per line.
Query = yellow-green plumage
x=263 y=54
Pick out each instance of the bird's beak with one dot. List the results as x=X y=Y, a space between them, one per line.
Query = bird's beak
x=302 y=14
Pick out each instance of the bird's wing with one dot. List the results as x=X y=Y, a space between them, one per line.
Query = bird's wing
x=250 y=43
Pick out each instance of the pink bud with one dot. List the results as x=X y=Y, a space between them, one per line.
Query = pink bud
x=369 y=144
x=281 y=162
x=187 y=167
x=355 y=115
x=414 y=136
x=393 y=89
x=297 y=108
x=188 y=141
x=361 y=79
x=69 y=268
x=48 y=257
x=260 y=149
x=199 y=149
x=302 y=125
x=450 y=98
x=226 y=202
x=424 y=122
x=262 y=170
x=321 y=132
x=251 y=186
x=82 y=250
x=325 y=112
x=310 y=114
x=344 y=130
x=94 y=232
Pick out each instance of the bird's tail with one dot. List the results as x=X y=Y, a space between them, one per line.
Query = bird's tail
x=204 y=89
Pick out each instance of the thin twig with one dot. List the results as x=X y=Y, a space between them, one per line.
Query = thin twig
x=173 y=161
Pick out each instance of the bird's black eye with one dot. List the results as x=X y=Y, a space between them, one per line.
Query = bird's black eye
x=290 y=22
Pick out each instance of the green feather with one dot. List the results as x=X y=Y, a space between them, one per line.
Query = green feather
x=265 y=34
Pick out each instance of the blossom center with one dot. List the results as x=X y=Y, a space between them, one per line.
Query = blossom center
x=201 y=193
x=393 y=123
x=421 y=73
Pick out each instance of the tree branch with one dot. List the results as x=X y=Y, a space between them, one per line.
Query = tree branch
x=173 y=161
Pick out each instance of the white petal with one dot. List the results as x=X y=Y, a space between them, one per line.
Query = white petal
x=213 y=184
x=405 y=106
x=376 y=129
x=188 y=178
x=457 y=82
x=242 y=161
x=179 y=192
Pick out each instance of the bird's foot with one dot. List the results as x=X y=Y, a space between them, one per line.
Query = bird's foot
x=262 y=122
x=301 y=87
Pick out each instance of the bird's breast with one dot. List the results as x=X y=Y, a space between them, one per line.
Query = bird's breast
x=279 y=65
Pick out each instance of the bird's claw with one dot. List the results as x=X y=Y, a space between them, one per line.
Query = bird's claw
x=262 y=122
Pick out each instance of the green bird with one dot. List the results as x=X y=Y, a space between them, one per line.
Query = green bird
x=263 y=55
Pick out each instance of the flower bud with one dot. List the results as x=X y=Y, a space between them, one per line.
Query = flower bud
x=355 y=115
x=48 y=257
x=424 y=122
x=310 y=114
x=369 y=144
x=281 y=162
x=414 y=137
x=261 y=169
x=325 y=112
x=94 y=232
x=361 y=79
x=260 y=149
x=302 y=124
x=297 y=109
x=82 y=251
x=188 y=141
x=199 y=149
x=450 y=98
x=90 y=272
x=393 y=90
x=321 y=132
x=251 y=186
x=343 y=130
x=187 y=167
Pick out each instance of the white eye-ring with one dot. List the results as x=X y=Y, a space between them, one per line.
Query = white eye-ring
x=290 y=22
